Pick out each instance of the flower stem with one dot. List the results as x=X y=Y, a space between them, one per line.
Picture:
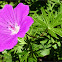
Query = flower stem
x=34 y=36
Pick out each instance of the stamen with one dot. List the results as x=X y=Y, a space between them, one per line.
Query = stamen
x=15 y=29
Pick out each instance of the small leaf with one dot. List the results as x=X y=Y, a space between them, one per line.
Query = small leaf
x=52 y=33
x=43 y=53
x=54 y=46
x=11 y=3
x=59 y=44
x=36 y=47
x=58 y=31
x=21 y=40
x=31 y=59
x=44 y=41
x=52 y=40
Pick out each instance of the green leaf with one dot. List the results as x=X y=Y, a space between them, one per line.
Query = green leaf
x=52 y=33
x=48 y=45
x=57 y=20
x=52 y=40
x=49 y=42
x=34 y=56
x=31 y=59
x=23 y=56
x=56 y=1
x=11 y=3
x=58 y=31
x=4 y=3
x=43 y=42
x=54 y=46
x=59 y=44
x=44 y=15
x=7 y=57
x=36 y=47
x=21 y=41
x=38 y=20
x=43 y=53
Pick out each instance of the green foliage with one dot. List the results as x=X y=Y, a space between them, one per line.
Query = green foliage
x=43 y=37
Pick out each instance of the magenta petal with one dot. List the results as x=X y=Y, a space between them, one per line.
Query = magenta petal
x=25 y=25
x=7 y=15
x=21 y=11
x=1 y=48
x=9 y=44
x=4 y=38
x=21 y=34
x=6 y=19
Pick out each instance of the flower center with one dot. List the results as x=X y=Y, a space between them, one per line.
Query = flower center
x=15 y=29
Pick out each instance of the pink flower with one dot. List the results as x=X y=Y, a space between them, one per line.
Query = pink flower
x=14 y=23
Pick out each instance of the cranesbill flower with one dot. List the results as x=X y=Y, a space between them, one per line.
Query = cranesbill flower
x=14 y=23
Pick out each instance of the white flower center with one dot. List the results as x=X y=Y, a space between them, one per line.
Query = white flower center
x=15 y=29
